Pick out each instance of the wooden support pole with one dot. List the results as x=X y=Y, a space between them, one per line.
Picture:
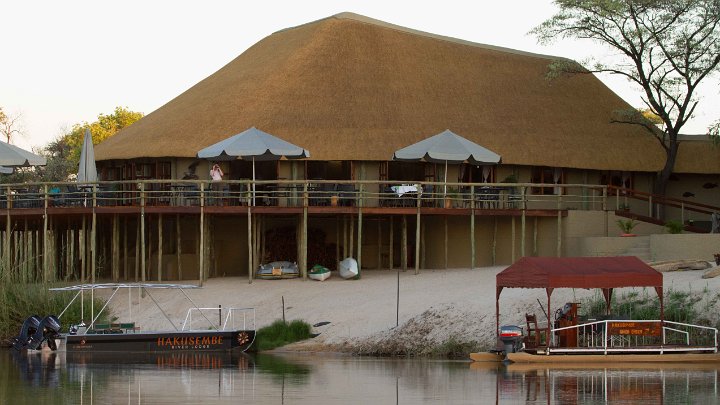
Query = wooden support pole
x=351 y=237
x=522 y=223
x=8 y=228
x=403 y=248
x=345 y=239
x=360 y=224
x=303 y=263
x=472 y=228
x=93 y=238
x=423 y=245
x=535 y=234
x=391 y=247
x=559 y=227
x=337 y=242
x=445 y=233
x=115 y=248
x=201 y=247
x=82 y=244
x=137 y=250
x=379 y=244
x=46 y=263
x=494 y=242
x=512 y=240
x=143 y=276
x=249 y=244
x=178 y=245
x=160 y=246
x=125 y=249
x=417 y=235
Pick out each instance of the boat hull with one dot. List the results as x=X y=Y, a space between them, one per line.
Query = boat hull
x=523 y=357
x=194 y=341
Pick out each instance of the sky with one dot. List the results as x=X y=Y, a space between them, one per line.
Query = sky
x=65 y=62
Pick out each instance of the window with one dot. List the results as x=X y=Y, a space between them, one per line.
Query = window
x=548 y=175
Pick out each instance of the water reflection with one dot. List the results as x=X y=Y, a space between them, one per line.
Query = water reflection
x=206 y=378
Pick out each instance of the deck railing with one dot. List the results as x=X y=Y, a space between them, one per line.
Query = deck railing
x=304 y=193
x=622 y=335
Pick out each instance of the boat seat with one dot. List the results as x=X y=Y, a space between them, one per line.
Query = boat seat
x=533 y=339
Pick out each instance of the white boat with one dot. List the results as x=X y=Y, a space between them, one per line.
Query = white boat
x=348 y=268
x=319 y=273
x=278 y=270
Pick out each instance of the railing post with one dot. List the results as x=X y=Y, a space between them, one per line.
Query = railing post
x=650 y=206
x=682 y=213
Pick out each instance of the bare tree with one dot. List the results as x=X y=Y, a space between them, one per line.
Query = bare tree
x=666 y=47
x=10 y=125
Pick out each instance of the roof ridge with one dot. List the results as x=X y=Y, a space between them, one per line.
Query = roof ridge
x=347 y=15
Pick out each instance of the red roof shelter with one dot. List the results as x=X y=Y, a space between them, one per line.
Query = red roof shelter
x=605 y=273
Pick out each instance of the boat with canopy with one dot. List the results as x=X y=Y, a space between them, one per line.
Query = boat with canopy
x=203 y=329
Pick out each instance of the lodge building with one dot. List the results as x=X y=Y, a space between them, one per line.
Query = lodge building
x=352 y=91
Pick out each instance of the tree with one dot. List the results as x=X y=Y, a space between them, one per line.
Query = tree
x=105 y=127
x=666 y=47
x=9 y=125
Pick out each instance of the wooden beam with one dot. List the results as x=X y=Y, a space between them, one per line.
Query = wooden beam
x=160 y=246
x=379 y=244
x=143 y=275
x=391 y=248
x=494 y=242
x=249 y=244
x=403 y=248
x=445 y=239
x=178 y=245
x=417 y=235
x=472 y=228
x=201 y=244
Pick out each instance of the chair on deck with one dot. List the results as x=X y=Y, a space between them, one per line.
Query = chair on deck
x=533 y=339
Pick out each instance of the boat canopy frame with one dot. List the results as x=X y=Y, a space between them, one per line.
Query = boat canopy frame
x=605 y=273
x=81 y=288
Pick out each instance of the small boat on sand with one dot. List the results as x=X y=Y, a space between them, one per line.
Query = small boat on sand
x=278 y=270
x=319 y=273
x=348 y=268
x=203 y=330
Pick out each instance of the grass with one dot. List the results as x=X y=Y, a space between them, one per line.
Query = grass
x=698 y=308
x=20 y=300
x=281 y=333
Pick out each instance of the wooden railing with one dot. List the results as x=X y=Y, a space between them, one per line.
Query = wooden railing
x=301 y=193
x=657 y=208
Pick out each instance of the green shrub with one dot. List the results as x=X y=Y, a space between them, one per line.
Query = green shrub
x=674 y=227
x=281 y=333
x=626 y=225
x=19 y=301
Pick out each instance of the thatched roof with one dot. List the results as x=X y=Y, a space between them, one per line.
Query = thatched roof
x=351 y=88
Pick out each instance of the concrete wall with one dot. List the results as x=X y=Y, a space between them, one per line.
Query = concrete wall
x=660 y=246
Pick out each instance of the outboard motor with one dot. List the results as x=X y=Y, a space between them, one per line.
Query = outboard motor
x=49 y=329
x=512 y=337
x=29 y=327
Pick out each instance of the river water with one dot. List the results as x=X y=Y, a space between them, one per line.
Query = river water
x=54 y=378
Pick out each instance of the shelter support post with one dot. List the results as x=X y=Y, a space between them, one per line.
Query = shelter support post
x=607 y=294
x=142 y=233
x=359 y=230
x=201 y=249
x=379 y=244
x=403 y=248
x=498 y=290
x=548 y=337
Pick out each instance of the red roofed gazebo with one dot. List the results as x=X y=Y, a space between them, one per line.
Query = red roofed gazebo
x=605 y=273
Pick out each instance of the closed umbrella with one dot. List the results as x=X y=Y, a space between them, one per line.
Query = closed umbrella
x=447 y=147
x=12 y=156
x=253 y=144
x=87 y=172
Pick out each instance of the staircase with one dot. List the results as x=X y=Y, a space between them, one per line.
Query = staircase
x=641 y=249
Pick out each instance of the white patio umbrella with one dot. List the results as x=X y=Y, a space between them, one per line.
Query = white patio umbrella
x=253 y=144
x=12 y=156
x=447 y=147
x=87 y=172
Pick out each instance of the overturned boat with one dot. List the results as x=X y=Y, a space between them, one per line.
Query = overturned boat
x=203 y=329
x=319 y=273
x=278 y=270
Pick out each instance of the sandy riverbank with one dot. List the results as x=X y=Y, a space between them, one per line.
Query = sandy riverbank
x=435 y=305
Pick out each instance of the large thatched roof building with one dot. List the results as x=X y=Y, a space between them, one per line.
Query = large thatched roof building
x=352 y=88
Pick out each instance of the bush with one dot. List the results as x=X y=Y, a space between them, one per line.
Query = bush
x=281 y=333
x=20 y=300
x=674 y=227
